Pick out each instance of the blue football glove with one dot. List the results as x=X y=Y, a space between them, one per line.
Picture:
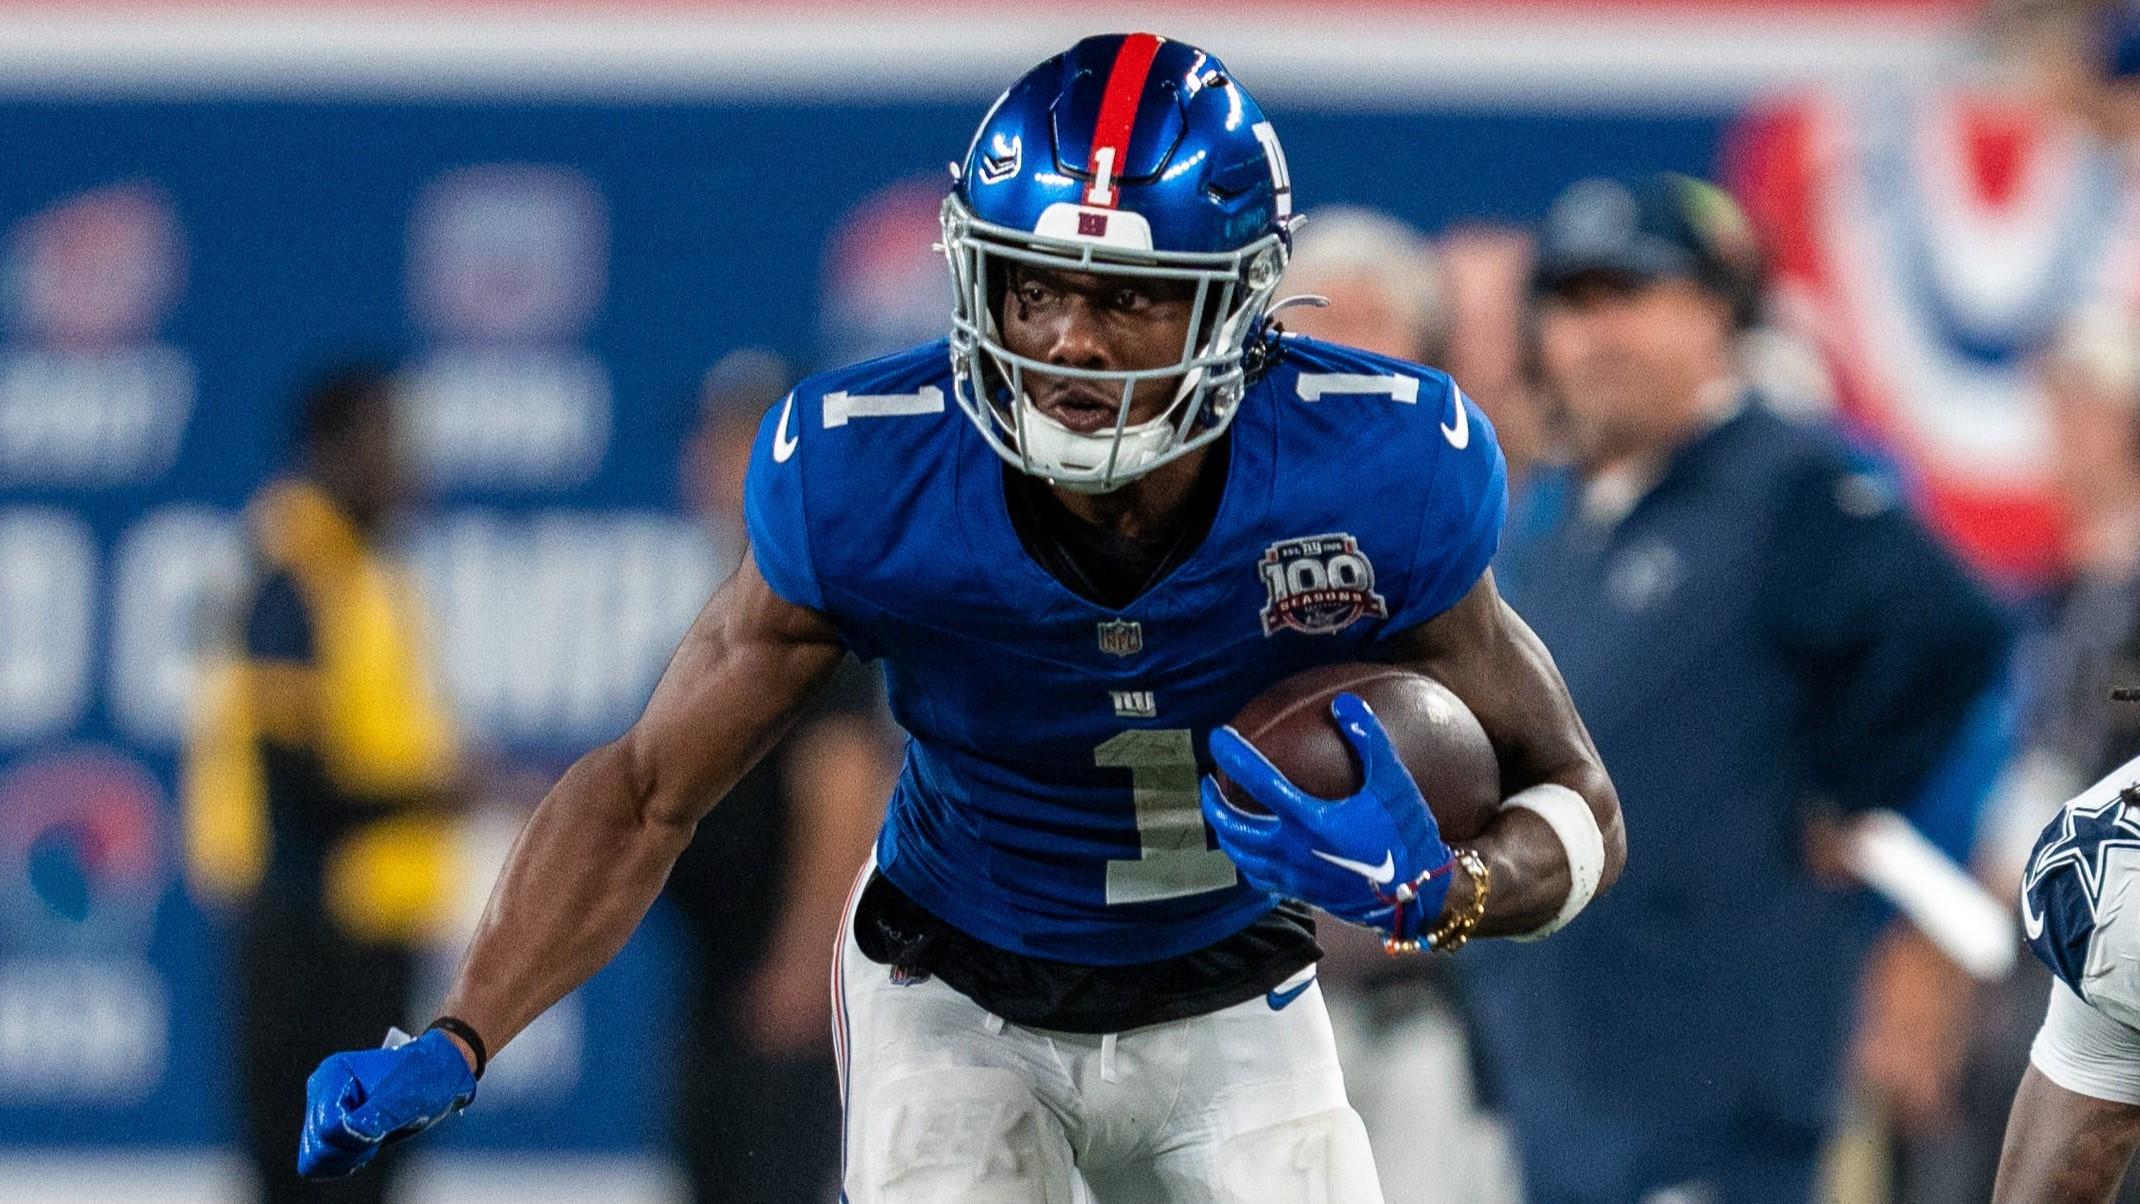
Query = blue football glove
x=360 y=1102
x=1347 y=856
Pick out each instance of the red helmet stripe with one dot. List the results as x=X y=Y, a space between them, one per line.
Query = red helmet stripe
x=1118 y=113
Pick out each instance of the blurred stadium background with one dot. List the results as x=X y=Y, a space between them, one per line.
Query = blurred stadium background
x=559 y=216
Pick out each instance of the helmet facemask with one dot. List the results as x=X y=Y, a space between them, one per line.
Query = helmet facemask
x=1231 y=292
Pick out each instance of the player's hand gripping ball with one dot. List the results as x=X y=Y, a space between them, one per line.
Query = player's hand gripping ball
x=1343 y=838
x=358 y=1103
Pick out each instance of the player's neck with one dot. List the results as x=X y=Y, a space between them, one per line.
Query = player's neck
x=1149 y=509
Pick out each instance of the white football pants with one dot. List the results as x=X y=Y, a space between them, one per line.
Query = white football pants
x=947 y=1104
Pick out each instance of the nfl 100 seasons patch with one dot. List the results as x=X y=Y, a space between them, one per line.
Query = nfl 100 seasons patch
x=1318 y=585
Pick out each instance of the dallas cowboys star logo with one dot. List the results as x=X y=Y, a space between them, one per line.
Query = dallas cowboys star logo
x=2085 y=833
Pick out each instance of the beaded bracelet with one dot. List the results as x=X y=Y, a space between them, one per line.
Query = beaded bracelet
x=1451 y=934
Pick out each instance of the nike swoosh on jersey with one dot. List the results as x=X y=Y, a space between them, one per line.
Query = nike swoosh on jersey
x=784 y=443
x=2031 y=919
x=1279 y=999
x=1382 y=874
x=1459 y=437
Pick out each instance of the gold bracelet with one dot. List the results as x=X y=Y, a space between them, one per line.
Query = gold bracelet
x=1451 y=934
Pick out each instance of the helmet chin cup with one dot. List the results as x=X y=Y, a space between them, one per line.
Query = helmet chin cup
x=1068 y=458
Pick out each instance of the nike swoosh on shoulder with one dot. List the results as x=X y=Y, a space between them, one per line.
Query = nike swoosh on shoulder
x=1382 y=874
x=1459 y=436
x=784 y=443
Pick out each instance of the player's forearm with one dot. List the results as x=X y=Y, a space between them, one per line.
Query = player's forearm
x=1529 y=863
x=581 y=876
x=2064 y=1148
x=1488 y=656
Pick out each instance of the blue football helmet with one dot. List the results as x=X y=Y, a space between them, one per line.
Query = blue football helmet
x=1130 y=155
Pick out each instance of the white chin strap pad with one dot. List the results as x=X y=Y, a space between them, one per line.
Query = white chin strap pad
x=1577 y=828
x=1056 y=450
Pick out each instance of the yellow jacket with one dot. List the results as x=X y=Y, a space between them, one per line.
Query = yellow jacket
x=364 y=702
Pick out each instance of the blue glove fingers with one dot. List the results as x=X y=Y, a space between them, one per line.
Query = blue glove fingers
x=357 y=1102
x=1271 y=875
x=372 y=1120
x=1385 y=777
x=428 y=1079
x=1370 y=742
x=1249 y=769
x=328 y=1146
x=1234 y=826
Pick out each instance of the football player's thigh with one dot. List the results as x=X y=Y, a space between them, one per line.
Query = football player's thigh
x=942 y=1107
x=1263 y=1117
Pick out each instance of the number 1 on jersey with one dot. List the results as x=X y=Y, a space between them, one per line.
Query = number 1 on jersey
x=1173 y=860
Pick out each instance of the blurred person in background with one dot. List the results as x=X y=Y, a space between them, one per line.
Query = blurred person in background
x=1400 y=1034
x=761 y=885
x=1387 y=290
x=321 y=772
x=1761 y=634
x=1930 y=238
x=1489 y=270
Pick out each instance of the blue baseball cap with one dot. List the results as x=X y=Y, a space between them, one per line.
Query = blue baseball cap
x=1666 y=226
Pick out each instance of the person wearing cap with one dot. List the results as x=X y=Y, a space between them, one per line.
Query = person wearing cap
x=1762 y=637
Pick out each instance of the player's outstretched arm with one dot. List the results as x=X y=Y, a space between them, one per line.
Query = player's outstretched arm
x=597 y=851
x=2063 y=1147
x=590 y=861
x=1484 y=652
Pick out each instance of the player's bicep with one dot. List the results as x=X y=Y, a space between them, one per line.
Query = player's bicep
x=1484 y=652
x=738 y=679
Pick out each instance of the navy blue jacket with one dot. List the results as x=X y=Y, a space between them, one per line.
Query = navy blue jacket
x=1766 y=629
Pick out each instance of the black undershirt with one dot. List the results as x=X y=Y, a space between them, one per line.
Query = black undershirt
x=892 y=929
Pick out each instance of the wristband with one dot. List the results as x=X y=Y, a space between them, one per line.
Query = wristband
x=1576 y=827
x=455 y=1026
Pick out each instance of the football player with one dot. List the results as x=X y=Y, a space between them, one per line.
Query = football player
x=2076 y=1117
x=1114 y=506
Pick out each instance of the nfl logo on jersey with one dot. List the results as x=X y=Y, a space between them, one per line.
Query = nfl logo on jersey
x=1121 y=637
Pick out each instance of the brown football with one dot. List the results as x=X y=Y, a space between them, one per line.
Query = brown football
x=1435 y=734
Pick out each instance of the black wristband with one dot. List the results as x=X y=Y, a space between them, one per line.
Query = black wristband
x=458 y=1027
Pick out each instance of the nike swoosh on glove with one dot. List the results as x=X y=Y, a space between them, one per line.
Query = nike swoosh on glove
x=358 y=1103
x=1346 y=856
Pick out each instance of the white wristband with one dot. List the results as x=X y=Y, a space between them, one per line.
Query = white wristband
x=1570 y=817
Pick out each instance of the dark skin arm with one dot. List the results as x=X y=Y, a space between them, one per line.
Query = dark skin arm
x=597 y=851
x=2063 y=1147
x=1488 y=656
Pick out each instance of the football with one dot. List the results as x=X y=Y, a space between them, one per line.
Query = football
x=1435 y=734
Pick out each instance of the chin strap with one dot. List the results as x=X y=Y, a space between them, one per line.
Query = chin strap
x=1263 y=350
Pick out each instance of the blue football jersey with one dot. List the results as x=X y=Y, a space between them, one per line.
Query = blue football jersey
x=1048 y=804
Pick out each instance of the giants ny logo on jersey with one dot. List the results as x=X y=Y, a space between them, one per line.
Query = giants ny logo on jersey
x=1318 y=585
